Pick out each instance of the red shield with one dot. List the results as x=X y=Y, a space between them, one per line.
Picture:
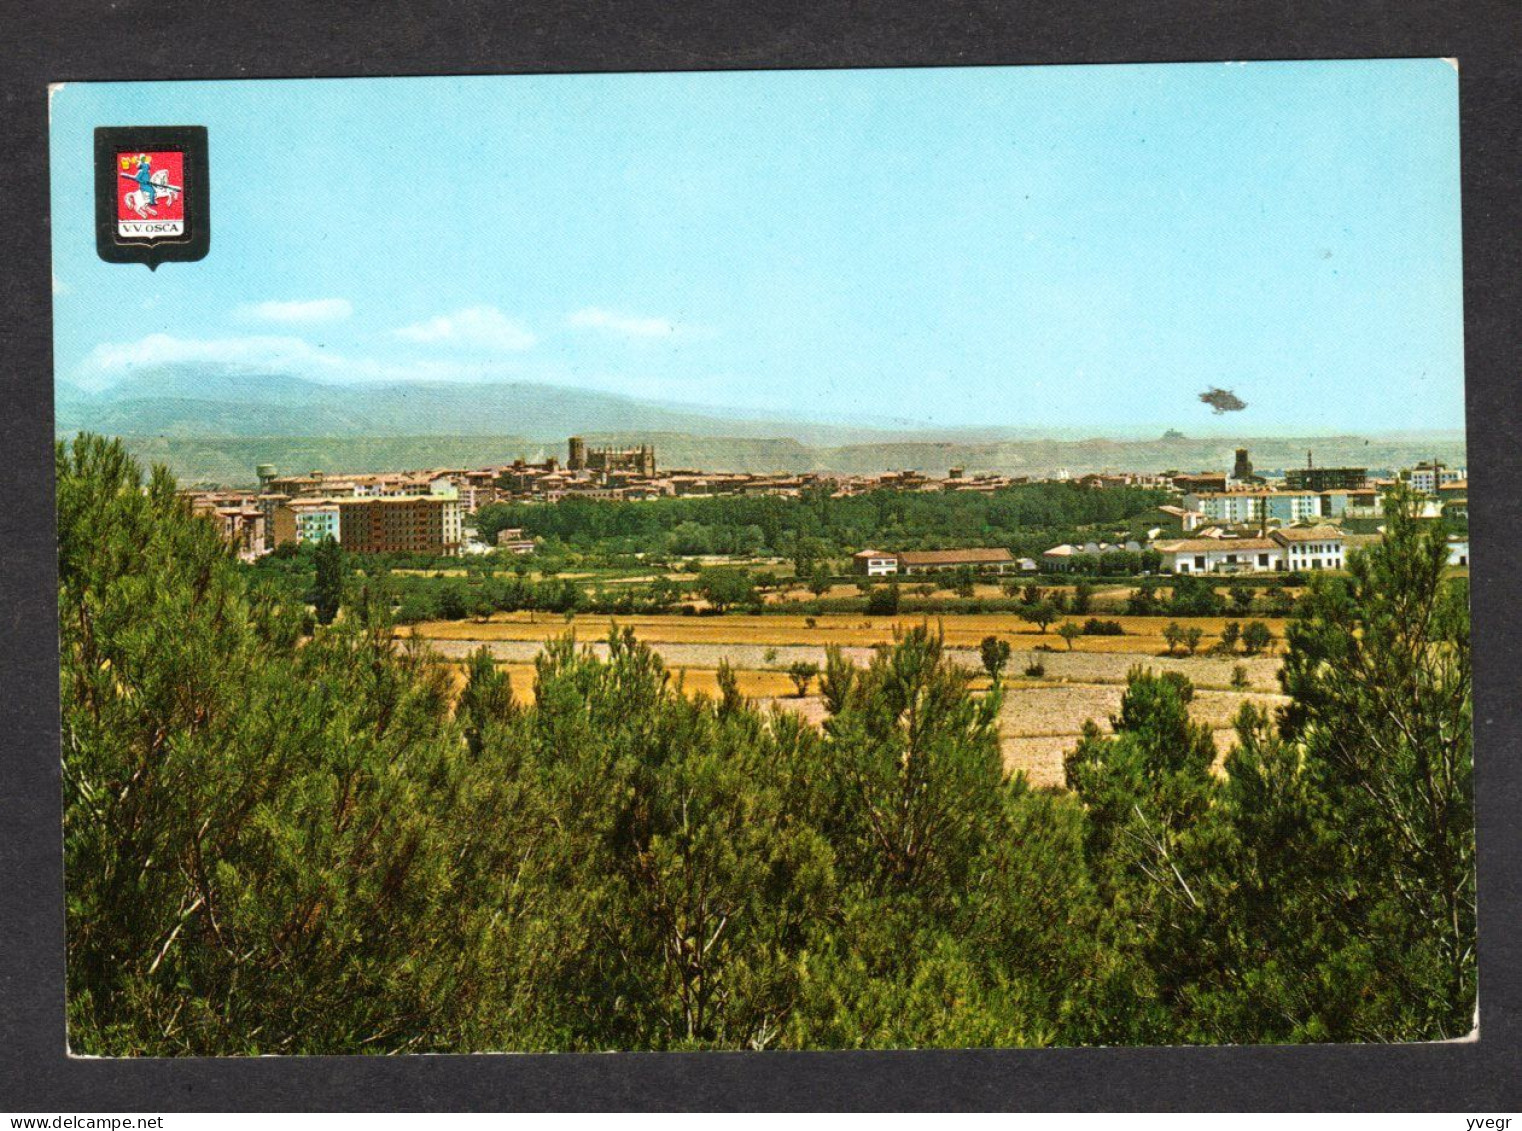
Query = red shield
x=150 y=195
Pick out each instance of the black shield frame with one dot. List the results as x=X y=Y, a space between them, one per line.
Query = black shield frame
x=193 y=245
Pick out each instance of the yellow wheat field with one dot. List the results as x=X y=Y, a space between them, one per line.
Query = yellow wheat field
x=963 y=630
x=758 y=685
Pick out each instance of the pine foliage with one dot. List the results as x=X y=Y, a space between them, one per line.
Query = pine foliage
x=284 y=836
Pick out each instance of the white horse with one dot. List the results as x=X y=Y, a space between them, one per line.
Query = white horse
x=137 y=199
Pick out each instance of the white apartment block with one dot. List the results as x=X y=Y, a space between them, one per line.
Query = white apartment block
x=454 y=523
x=1247 y=507
x=314 y=523
x=1426 y=479
x=1229 y=507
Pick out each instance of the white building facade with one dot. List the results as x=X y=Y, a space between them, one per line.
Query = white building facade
x=1426 y=479
x=1242 y=508
x=1221 y=555
x=875 y=563
x=1306 y=549
x=313 y=524
x=1310 y=550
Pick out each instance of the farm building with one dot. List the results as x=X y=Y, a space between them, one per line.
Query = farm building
x=877 y=563
x=1315 y=547
x=874 y=563
x=1060 y=558
x=1292 y=548
x=1221 y=555
x=993 y=560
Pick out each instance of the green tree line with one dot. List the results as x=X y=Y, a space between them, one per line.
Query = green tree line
x=1026 y=518
x=288 y=837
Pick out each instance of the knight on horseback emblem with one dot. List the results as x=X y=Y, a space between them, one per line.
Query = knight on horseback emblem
x=151 y=201
x=153 y=185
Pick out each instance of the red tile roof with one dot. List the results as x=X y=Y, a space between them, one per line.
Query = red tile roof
x=954 y=557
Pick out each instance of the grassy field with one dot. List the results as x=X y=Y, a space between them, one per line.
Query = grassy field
x=1041 y=719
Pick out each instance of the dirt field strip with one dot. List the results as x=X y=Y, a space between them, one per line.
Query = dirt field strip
x=1041 y=758
x=1142 y=640
x=753 y=684
x=1071 y=667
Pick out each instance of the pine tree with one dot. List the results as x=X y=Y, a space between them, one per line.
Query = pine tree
x=1146 y=791
x=328 y=589
x=253 y=828
x=486 y=701
x=1378 y=668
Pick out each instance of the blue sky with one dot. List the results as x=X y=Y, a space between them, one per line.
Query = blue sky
x=1063 y=247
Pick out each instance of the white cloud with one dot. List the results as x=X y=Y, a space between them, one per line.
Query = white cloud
x=112 y=362
x=634 y=326
x=485 y=327
x=301 y=312
x=59 y=286
x=120 y=359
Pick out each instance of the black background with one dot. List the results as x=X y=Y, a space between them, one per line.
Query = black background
x=154 y=39
x=195 y=188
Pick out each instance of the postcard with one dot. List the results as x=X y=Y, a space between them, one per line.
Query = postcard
x=948 y=557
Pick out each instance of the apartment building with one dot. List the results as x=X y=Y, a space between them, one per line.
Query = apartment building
x=1428 y=477
x=1317 y=479
x=1243 y=508
x=419 y=524
x=307 y=520
x=238 y=519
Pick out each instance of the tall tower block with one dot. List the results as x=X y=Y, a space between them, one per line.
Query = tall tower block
x=576 y=454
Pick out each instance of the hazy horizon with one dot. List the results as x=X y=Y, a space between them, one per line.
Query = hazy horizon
x=809 y=428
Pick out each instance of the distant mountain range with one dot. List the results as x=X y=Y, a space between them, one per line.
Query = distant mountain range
x=199 y=401
x=187 y=402
x=215 y=426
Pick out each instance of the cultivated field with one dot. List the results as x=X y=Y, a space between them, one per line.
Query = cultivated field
x=1041 y=722
x=1143 y=634
x=1041 y=719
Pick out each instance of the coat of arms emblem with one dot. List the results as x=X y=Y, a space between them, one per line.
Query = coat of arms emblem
x=151 y=193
